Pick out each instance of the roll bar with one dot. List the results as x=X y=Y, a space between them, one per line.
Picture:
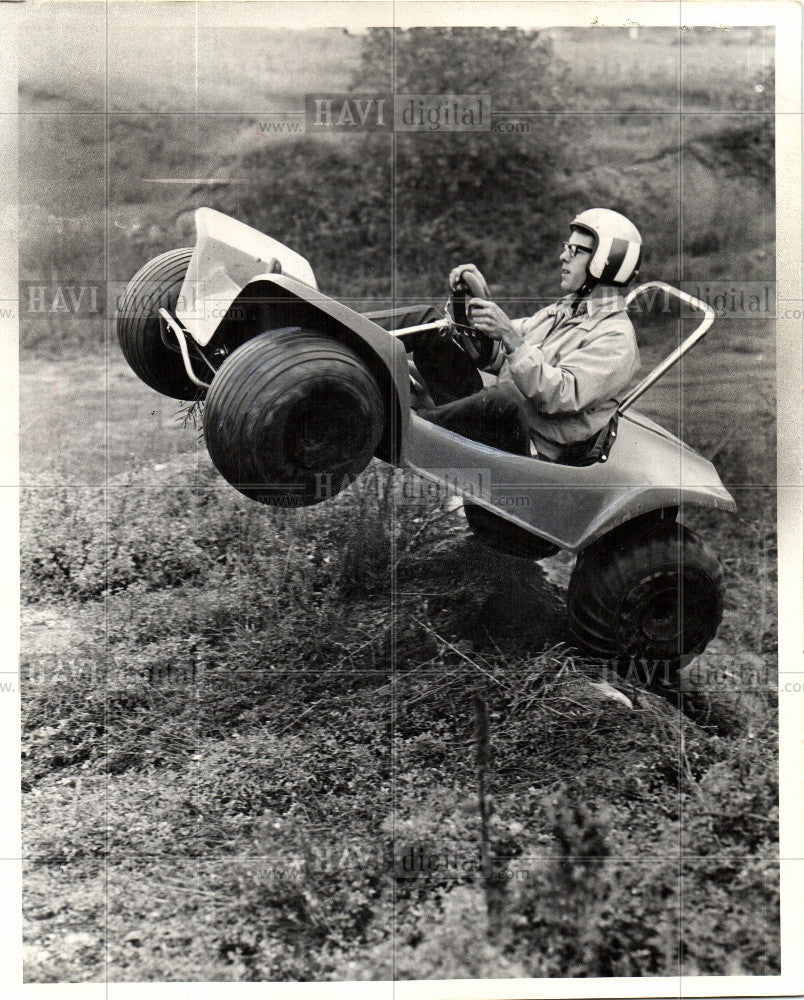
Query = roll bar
x=680 y=351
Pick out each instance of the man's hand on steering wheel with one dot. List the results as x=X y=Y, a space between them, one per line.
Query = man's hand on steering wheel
x=490 y=319
x=458 y=282
x=480 y=320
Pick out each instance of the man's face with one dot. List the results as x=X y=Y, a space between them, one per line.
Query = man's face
x=573 y=268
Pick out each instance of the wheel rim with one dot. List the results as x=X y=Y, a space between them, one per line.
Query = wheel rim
x=327 y=429
x=666 y=614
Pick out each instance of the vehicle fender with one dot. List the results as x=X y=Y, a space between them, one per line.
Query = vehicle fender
x=227 y=255
x=571 y=506
x=658 y=471
x=278 y=301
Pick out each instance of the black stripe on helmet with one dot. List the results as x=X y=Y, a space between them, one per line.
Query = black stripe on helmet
x=617 y=254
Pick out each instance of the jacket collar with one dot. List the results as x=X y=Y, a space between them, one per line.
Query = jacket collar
x=593 y=305
x=609 y=302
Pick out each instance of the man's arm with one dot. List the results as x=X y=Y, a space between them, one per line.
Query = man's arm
x=491 y=320
x=585 y=376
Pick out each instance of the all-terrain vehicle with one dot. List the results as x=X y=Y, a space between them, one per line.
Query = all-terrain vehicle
x=301 y=392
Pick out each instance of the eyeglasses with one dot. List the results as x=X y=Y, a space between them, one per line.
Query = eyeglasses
x=574 y=249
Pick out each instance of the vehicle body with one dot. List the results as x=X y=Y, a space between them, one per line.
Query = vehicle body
x=249 y=308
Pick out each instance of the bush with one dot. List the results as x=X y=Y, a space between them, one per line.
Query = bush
x=517 y=68
x=737 y=808
x=555 y=909
x=453 y=195
x=452 y=189
x=456 y=947
x=579 y=914
x=83 y=543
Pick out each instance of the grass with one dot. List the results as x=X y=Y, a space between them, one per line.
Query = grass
x=662 y=70
x=237 y=67
x=223 y=755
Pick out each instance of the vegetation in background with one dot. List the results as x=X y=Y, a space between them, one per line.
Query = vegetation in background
x=449 y=186
x=500 y=199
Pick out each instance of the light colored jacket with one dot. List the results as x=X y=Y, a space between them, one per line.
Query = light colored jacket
x=571 y=368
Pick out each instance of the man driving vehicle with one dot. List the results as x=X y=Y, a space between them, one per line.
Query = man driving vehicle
x=559 y=372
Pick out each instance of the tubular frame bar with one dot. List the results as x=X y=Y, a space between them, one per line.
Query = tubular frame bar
x=178 y=332
x=680 y=351
x=436 y=324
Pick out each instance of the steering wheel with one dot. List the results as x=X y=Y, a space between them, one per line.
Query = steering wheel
x=472 y=341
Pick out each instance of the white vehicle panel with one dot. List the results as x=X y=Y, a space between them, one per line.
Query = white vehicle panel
x=228 y=255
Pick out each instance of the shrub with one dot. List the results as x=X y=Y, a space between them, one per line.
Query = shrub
x=82 y=543
x=456 y=947
x=555 y=909
x=517 y=68
x=580 y=915
x=737 y=807
x=452 y=189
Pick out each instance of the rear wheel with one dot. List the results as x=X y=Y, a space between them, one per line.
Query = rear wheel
x=292 y=418
x=649 y=601
x=493 y=530
x=140 y=328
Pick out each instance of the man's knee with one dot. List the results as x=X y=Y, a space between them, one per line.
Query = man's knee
x=503 y=401
x=445 y=368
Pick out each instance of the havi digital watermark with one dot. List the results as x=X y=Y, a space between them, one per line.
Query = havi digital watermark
x=385 y=112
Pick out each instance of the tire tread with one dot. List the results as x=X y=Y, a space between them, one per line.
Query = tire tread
x=609 y=568
x=264 y=377
x=156 y=285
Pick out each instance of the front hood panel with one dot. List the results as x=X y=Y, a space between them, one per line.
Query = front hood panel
x=228 y=255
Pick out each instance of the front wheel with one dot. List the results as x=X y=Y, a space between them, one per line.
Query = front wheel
x=292 y=418
x=140 y=327
x=648 y=601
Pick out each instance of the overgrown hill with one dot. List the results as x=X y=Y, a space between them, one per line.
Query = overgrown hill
x=254 y=747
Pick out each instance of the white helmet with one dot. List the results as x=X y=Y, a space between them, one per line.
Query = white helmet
x=617 y=248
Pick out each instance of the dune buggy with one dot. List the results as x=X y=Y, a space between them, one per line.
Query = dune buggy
x=301 y=392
